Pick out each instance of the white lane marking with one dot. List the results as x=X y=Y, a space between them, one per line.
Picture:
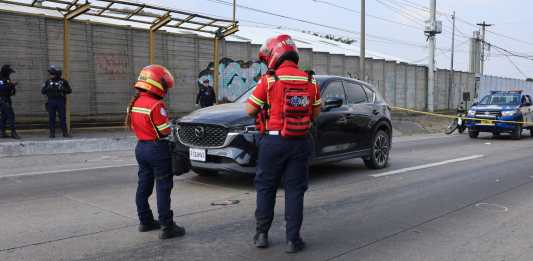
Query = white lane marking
x=38 y=173
x=426 y=166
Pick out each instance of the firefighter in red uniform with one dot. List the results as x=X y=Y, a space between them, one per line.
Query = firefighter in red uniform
x=147 y=117
x=285 y=102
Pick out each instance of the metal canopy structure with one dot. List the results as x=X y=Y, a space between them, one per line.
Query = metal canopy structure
x=152 y=16
x=134 y=12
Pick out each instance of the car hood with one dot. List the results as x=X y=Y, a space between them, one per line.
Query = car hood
x=231 y=114
x=495 y=107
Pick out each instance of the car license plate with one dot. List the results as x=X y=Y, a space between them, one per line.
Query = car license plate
x=197 y=154
x=486 y=123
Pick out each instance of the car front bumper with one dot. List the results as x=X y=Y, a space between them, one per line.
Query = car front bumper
x=496 y=126
x=239 y=156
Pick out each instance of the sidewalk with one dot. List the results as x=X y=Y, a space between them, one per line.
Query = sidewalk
x=36 y=142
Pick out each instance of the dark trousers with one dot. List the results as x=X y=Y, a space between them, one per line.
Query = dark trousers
x=288 y=160
x=55 y=107
x=154 y=167
x=8 y=115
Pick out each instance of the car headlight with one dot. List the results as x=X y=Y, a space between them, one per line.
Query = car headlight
x=242 y=129
x=471 y=113
x=508 y=113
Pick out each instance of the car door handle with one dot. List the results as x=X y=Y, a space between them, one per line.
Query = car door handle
x=375 y=112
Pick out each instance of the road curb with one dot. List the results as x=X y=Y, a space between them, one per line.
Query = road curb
x=25 y=148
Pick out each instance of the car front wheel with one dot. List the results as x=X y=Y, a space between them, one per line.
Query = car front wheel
x=473 y=133
x=379 y=157
x=517 y=133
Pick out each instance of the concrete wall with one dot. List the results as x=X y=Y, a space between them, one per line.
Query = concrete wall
x=105 y=60
x=493 y=83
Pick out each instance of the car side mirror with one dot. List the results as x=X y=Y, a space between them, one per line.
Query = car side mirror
x=332 y=102
x=475 y=104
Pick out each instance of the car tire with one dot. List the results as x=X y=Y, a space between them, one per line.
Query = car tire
x=473 y=134
x=379 y=157
x=205 y=172
x=517 y=133
x=531 y=132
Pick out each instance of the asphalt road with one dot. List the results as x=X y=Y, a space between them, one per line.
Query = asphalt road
x=442 y=198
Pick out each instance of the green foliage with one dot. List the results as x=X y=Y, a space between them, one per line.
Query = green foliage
x=345 y=40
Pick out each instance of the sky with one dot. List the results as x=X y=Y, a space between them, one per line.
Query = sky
x=395 y=27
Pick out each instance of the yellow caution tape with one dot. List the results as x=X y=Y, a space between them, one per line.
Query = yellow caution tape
x=456 y=117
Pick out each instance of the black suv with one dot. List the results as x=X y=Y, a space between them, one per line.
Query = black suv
x=355 y=123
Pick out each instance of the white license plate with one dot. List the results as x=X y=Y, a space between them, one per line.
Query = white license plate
x=197 y=154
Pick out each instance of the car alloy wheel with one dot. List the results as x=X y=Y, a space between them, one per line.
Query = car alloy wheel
x=380 y=151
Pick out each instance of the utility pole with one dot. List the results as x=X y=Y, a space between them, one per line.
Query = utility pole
x=362 y=42
x=483 y=58
x=234 y=11
x=450 y=88
x=433 y=27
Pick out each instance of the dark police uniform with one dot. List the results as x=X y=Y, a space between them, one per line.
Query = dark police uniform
x=7 y=89
x=149 y=121
x=206 y=96
x=281 y=157
x=56 y=90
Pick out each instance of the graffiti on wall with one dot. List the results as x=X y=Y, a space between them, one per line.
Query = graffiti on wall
x=236 y=77
x=114 y=66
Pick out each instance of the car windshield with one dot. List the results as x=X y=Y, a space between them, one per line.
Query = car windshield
x=501 y=99
x=247 y=94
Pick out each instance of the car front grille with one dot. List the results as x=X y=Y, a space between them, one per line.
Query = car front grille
x=488 y=114
x=203 y=136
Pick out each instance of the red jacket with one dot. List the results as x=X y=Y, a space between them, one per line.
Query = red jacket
x=287 y=71
x=149 y=118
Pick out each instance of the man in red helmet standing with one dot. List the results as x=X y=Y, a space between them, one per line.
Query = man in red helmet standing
x=285 y=102
x=147 y=117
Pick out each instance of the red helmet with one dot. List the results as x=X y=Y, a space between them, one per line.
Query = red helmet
x=278 y=49
x=155 y=79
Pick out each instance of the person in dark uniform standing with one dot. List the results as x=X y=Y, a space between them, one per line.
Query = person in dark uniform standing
x=7 y=89
x=285 y=102
x=147 y=117
x=206 y=95
x=56 y=89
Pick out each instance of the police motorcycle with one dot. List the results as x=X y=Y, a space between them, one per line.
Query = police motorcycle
x=458 y=123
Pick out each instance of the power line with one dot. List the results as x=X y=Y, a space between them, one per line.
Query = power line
x=393 y=40
x=514 y=64
x=367 y=14
x=283 y=16
x=511 y=53
x=408 y=16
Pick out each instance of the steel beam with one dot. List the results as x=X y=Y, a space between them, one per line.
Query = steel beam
x=162 y=21
x=216 y=59
x=66 y=50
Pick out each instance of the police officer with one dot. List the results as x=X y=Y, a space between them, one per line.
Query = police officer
x=206 y=95
x=147 y=117
x=7 y=89
x=56 y=89
x=285 y=102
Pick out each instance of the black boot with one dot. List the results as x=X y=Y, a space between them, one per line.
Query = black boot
x=14 y=135
x=66 y=134
x=52 y=134
x=294 y=247
x=4 y=134
x=261 y=240
x=152 y=225
x=171 y=231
